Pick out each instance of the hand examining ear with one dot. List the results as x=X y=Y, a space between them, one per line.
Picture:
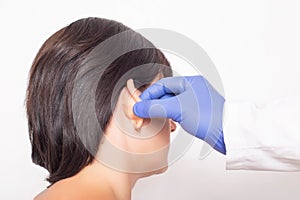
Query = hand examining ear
x=191 y=101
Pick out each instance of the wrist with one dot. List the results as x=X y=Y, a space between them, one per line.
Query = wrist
x=220 y=145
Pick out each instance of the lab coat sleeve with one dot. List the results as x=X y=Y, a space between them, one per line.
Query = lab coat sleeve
x=263 y=137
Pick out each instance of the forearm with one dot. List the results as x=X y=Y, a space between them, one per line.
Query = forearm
x=263 y=138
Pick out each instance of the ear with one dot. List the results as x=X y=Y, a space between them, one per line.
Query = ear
x=132 y=98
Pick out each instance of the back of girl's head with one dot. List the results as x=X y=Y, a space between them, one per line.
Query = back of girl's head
x=56 y=145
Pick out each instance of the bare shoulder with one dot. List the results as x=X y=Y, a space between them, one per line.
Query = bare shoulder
x=77 y=189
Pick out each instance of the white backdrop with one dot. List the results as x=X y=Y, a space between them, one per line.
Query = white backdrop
x=254 y=44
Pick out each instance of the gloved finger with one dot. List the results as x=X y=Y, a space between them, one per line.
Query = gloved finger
x=167 y=96
x=169 y=85
x=160 y=108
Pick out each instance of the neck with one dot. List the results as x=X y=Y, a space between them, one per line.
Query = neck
x=120 y=183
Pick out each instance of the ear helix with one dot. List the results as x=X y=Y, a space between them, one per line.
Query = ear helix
x=138 y=122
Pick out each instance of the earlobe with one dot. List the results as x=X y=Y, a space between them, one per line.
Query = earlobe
x=172 y=125
x=133 y=97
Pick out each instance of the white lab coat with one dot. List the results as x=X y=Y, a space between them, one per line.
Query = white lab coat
x=263 y=138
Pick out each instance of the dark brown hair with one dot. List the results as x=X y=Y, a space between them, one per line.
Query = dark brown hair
x=56 y=145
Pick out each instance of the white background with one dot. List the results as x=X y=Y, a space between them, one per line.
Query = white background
x=254 y=44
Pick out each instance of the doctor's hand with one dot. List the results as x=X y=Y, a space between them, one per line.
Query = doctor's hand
x=191 y=101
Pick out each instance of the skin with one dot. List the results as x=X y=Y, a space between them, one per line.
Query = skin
x=128 y=133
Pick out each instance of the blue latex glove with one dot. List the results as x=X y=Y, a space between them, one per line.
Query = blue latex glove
x=191 y=101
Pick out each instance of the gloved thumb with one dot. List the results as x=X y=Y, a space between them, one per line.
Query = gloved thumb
x=158 y=108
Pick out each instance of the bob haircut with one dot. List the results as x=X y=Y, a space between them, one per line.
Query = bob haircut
x=55 y=143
